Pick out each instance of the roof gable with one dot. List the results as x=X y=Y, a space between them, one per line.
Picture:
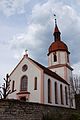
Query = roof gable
x=45 y=69
x=16 y=66
x=27 y=58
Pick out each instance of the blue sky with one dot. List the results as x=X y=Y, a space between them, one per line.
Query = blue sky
x=28 y=24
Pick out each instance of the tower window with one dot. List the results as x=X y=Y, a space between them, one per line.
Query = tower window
x=24 y=82
x=61 y=94
x=35 y=83
x=55 y=57
x=67 y=58
x=49 y=91
x=13 y=83
x=56 y=93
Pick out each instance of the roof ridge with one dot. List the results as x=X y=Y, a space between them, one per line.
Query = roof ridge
x=49 y=72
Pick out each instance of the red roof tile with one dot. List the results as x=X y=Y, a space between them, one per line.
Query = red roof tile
x=58 y=45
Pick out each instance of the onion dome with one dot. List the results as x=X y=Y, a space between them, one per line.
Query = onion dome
x=57 y=45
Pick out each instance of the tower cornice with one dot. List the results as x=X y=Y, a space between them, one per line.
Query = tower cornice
x=60 y=65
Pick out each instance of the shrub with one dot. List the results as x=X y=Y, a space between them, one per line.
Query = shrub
x=52 y=117
x=74 y=116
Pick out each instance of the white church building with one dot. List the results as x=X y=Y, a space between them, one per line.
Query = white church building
x=50 y=85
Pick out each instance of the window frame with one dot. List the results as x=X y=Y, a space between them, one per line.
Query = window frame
x=67 y=57
x=22 y=86
x=54 y=57
x=66 y=95
x=61 y=94
x=13 y=85
x=56 y=92
x=49 y=91
x=35 y=83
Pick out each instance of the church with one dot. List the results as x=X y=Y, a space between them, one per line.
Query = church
x=33 y=82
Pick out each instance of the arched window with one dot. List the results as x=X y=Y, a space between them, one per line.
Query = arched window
x=66 y=96
x=24 y=83
x=49 y=91
x=55 y=57
x=13 y=83
x=61 y=93
x=56 y=93
x=35 y=83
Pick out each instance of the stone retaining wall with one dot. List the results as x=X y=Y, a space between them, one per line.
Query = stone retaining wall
x=17 y=110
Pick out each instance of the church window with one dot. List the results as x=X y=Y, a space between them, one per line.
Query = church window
x=56 y=93
x=35 y=83
x=24 y=68
x=55 y=57
x=13 y=83
x=61 y=93
x=66 y=95
x=49 y=91
x=24 y=83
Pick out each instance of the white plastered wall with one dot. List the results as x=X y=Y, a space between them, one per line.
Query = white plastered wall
x=53 y=80
x=60 y=71
x=61 y=58
x=69 y=75
x=32 y=72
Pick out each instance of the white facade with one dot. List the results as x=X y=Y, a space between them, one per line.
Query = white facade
x=30 y=81
x=41 y=94
x=31 y=73
x=53 y=80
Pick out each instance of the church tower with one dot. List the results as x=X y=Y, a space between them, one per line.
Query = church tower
x=58 y=56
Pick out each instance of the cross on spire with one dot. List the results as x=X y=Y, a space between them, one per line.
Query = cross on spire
x=55 y=19
x=26 y=53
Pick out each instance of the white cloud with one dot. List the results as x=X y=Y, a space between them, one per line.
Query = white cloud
x=10 y=7
x=38 y=34
x=78 y=2
x=27 y=39
x=76 y=68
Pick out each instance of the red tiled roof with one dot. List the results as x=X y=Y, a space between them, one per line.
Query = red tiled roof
x=58 y=45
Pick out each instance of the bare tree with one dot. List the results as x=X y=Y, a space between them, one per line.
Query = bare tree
x=74 y=88
x=5 y=88
x=71 y=91
x=76 y=81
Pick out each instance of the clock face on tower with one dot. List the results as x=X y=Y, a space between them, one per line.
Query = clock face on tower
x=24 y=68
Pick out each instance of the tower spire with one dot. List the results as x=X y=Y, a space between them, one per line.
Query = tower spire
x=56 y=32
